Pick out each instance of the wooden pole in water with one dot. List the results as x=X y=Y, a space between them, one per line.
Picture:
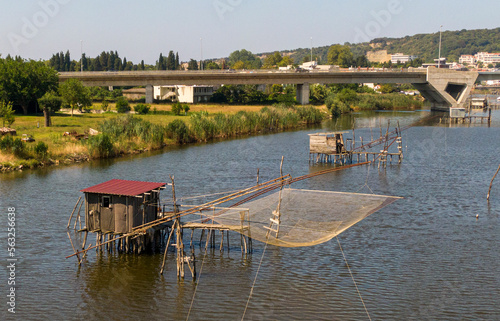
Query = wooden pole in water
x=78 y=216
x=491 y=184
x=74 y=250
x=85 y=239
x=166 y=248
x=71 y=216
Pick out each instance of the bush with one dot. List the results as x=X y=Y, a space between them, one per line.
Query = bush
x=18 y=147
x=142 y=109
x=104 y=105
x=186 y=108
x=176 y=108
x=51 y=101
x=122 y=105
x=6 y=143
x=41 y=150
x=178 y=131
x=100 y=146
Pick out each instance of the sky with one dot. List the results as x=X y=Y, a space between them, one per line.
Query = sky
x=140 y=30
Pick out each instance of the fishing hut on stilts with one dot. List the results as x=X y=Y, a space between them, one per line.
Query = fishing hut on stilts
x=337 y=148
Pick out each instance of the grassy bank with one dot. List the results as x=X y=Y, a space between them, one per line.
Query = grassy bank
x=125 y=134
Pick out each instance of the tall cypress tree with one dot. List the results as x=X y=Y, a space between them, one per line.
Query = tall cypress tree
x=171 y=61
x=67 y=62
x=61 y=61
x=177 y=62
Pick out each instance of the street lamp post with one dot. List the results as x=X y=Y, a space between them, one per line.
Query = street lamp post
x=81 y=55
x=311 y=49
x=201 y=53
x=440 y=37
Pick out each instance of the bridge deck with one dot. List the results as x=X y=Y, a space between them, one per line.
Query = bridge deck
x=257 y=77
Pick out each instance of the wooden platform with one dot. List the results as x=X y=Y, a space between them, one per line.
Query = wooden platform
x=214 y=226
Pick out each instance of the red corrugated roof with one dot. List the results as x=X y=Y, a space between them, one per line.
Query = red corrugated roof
x=123 y=187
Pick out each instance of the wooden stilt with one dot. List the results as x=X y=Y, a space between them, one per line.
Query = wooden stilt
x=73 y=212
x=166 y=249
x=209 y=233
x=85 y=254
x=77 y=219
x=85 y=239
x=74 y=250
x=221 y=240
x=245 y=244
x=201 y=236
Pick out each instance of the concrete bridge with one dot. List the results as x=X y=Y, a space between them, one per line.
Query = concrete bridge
x=443 y=88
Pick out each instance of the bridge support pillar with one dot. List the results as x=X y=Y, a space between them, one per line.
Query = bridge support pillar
x=303 y=94
x=446 y=88
x=149 y=94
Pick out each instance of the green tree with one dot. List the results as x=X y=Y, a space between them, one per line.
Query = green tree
x=75 y=94
x=7 y=113
x=286 y=61
x=192 y=65
x=387 y=88
x=171 y=61
x=122 y=105
x=177 y=108
x=212 y=66
x=318 y=93
x=250 y=60
x=50 y=102
x=239 y=65
x=142 y=109
x=23 y=82
x=273 y=60
x=340 y=55
x=341 y=102
x=104 y=105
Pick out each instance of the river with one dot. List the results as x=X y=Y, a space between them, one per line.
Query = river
x=424 y=257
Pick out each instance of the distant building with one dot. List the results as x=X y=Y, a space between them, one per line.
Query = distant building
x=467 y=59
x=488 y=58
x=402 y=58
x=183 y=94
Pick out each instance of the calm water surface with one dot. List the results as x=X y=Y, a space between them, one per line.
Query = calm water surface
x=425 y=257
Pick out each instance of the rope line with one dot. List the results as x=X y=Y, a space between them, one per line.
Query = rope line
x=254 y=281
x=354 y=281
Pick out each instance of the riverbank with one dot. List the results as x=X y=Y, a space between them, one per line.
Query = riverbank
x=87 y=136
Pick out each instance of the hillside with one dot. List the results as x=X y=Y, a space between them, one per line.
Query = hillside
x=454 y=44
